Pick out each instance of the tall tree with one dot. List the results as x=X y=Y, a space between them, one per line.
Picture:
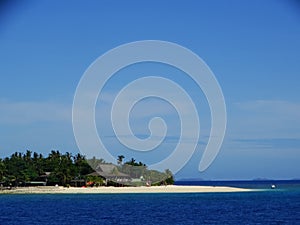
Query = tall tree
x=2 y=170
x=120 y=159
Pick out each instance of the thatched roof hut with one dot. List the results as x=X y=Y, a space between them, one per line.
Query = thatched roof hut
x=110 y=172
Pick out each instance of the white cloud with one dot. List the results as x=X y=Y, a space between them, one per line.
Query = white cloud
x=12 y=112
x=145 y=109
x=284 y=109
x=265 y=119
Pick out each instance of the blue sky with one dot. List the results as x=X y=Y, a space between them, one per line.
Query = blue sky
x=253 y=48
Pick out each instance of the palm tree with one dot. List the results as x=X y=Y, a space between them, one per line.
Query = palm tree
x=170 y=177
x=120 y=159
x=132 y=162
x=27 y=156
x=2 y=169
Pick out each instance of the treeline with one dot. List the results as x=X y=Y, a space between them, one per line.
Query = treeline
x=20 y=168
x=62 y=169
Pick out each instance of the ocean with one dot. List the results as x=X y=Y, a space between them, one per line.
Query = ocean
x=272 y=206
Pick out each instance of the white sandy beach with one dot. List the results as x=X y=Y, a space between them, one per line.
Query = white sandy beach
x=122 y=190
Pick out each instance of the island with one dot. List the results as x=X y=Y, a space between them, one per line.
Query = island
x=64 y=173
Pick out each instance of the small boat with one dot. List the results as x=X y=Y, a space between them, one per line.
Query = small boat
x=273 y=186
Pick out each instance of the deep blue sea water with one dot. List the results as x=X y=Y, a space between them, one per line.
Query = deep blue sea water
x=279 y=206
x=253 y=184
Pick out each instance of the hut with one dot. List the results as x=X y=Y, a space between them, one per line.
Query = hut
x=77 y=182
x=111 y=174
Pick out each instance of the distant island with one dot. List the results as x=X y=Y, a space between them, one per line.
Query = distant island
x=58 y=169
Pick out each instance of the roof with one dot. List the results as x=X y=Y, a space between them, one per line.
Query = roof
x=46 y=174
x=78 y=180
x=108 y=171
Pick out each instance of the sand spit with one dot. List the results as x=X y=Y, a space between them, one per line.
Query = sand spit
x=122 y=190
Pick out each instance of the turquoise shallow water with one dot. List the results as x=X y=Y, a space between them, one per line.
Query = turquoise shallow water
x=280 y=206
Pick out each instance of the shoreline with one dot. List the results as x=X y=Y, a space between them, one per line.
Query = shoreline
x=124 y=190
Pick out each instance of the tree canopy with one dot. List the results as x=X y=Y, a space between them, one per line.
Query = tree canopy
x=62 y=168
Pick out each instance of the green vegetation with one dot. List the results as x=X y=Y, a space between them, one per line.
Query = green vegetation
x=57 y=168
x=142 y=175
x=21 y=169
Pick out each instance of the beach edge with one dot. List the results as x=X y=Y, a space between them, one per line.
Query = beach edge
x=124 y=190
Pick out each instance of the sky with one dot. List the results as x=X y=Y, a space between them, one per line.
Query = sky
x=252 y=47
